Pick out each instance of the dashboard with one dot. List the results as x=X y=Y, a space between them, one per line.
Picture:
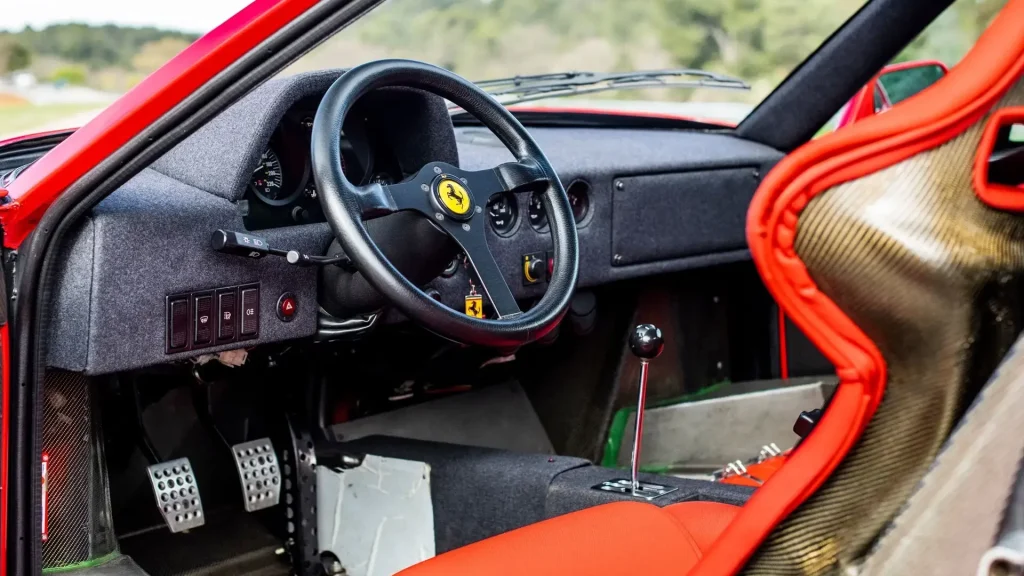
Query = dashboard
x=282 y=191
x=645 y=201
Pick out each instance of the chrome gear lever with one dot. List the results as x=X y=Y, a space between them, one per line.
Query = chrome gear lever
x=646 y=343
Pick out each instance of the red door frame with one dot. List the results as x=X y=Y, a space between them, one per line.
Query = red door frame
x=43 y=182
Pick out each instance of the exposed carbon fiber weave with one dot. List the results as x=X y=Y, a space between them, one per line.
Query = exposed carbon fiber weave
x=78 y=509
x=932 y=276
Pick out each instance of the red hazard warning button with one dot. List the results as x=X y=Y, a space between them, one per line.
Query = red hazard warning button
x=287 y=306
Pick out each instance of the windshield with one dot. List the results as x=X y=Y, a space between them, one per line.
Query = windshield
x=61 y=61
x=757 y=42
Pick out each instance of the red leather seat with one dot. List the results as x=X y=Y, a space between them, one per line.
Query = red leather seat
x=619 y=538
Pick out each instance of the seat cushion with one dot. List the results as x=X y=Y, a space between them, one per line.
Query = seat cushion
x=619 y=538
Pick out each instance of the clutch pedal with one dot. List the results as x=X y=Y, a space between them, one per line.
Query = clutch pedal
x=177 y=494
x=259 y=473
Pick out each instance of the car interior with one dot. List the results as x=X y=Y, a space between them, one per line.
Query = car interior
x=343 y=327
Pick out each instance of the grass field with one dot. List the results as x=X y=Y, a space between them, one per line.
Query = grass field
x=21 y=118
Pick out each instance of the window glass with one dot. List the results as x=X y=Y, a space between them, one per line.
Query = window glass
x=756 y=43
x=945 y=41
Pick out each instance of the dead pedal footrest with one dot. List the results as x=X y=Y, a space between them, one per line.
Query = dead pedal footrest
x=177 y=494
x=259 y=473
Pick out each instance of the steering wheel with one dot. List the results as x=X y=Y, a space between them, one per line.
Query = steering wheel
x=453 y=199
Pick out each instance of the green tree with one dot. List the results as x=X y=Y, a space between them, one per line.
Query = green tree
x=18 y=57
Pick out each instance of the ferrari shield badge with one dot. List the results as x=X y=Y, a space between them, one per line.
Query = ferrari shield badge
x=475 y=306
x=453 y=196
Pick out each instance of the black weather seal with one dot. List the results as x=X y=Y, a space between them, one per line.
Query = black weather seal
x=39 y=256
x=841 y=66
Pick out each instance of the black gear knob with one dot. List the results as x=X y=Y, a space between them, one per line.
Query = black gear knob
x=646 y=341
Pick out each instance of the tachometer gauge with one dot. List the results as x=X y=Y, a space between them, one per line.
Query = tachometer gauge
x=268 y=181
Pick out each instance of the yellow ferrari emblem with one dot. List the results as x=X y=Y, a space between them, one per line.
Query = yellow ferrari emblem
x=475 y=306
x=453 y=196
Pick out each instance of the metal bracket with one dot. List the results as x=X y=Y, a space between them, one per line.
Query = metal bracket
x=298 y=467
x=645 y=490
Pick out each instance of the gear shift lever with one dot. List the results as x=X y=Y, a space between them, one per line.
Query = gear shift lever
x=646 y=343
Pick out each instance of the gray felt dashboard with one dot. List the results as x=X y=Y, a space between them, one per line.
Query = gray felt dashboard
x=150 y=238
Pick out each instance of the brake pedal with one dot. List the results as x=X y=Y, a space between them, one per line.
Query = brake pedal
x=177 y=494
x=259 y=473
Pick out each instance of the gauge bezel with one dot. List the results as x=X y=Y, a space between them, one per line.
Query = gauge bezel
x=529 y=201
x=295 y=190
x=514 y=202
x=585 y=193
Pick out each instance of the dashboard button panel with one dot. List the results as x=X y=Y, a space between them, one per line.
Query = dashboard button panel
x=206 y=318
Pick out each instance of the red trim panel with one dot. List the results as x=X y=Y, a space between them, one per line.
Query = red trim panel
x=996 y=195
x=925 y=121
x=5 y=414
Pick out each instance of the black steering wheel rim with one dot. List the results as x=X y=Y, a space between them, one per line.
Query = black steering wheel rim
x=346 y=206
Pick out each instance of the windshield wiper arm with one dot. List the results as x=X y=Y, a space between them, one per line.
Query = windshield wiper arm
x=538 y=86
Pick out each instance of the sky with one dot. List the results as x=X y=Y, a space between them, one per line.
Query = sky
x=185 y=15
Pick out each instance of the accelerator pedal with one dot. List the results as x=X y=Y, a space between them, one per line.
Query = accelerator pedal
x=177 y=494
x=259 y=473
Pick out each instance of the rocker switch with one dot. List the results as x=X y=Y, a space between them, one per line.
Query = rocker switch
x=250 y=311
x=203 y=320
x=177 y=337
x=227 y=314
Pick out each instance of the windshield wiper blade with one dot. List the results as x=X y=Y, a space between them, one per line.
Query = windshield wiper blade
x=539 y=86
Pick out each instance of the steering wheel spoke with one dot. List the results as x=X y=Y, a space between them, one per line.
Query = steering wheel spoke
x=473 y=241
x=524 y=174
x=376 y=200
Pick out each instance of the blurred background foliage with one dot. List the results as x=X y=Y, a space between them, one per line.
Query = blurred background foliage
x=760 y=41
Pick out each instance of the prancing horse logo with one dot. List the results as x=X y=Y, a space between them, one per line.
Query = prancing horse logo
x=452 y=193
x=453 y=196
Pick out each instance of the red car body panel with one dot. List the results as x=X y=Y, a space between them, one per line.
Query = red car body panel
x=37 y=187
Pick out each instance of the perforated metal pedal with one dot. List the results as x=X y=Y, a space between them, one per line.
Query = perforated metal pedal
x=177 y=494
x=259 y=473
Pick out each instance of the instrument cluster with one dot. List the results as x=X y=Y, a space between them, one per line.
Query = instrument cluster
x=504 y=214
x=282 y=190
